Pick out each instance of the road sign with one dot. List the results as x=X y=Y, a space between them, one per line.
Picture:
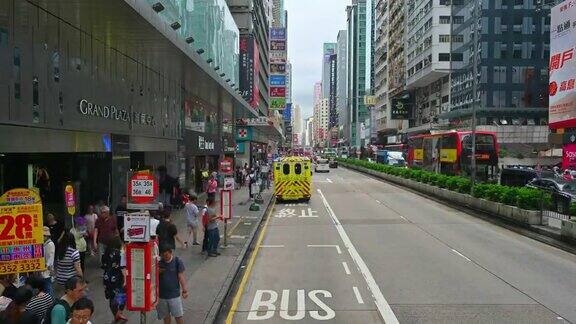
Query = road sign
x=21 y=239
x=142 y=191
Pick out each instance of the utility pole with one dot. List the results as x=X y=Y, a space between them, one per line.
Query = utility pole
x=476 y=16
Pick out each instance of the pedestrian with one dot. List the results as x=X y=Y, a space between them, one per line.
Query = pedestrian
x=114 y=278
x=42 y=301
x=238 y=175
x=105 y=229
x=192 y=218
x=61 y=311
x=120 y=212
x=91 y=218
x=7 y=286
x=212 y=228
x=16 y=312
x=166 y=186
x=251 y=181
x=172 y=286
x=80 y=234
x=205 y=238
x=212 y=186
x=67 y=259
x=82 y=311
x=56 y=228
x=167 y=232
x=49 y=255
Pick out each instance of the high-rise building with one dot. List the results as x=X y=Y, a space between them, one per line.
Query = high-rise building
x=321 y=122
x=359 y=66
x=253 y=17
x=317 y=93
x=328 y=49
x=341 y=88
x=309 y=140
x=278 y=14
x=297 y=119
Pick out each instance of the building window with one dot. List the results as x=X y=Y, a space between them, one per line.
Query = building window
x=457 y=57
x=444 y=57
x=457 y=20
x=444 y=38
x=499 y=74
x=444 y=19
x=17 y=74
x=458 y=38
x=56 y=66
x=35 y=101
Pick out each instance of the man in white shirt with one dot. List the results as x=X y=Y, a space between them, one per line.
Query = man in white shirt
x=49 y=253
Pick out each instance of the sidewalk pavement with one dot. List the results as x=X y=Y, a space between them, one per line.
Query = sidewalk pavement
x=208 y=279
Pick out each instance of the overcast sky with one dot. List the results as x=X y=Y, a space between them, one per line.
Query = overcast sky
x=310 y=24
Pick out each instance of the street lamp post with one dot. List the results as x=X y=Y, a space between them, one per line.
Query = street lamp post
x=476 y=16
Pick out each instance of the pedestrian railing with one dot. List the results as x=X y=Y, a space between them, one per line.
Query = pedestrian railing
x=556 y=207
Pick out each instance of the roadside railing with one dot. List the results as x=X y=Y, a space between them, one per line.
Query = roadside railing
x=556 y=207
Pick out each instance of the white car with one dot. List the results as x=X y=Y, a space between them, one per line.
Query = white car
x=322 y=165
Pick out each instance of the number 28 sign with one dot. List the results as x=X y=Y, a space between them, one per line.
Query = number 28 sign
x=142 y=188
x=21 y=239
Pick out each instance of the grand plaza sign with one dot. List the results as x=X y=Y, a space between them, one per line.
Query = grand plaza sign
x=112 y=112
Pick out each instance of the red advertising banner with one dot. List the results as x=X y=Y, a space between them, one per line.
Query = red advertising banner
x=249 y=70
x=569 y=156
x=277 y=92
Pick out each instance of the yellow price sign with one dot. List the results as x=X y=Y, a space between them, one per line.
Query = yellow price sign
x=21 y=239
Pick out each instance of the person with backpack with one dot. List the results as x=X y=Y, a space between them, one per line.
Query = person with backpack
x=113 y=263
x=61 y=311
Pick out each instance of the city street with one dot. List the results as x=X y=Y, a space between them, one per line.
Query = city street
x=364 y=251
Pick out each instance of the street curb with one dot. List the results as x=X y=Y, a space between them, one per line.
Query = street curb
x=519 y=228
x=225 y=289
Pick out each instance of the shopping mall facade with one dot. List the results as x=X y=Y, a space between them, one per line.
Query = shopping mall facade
x=93 y=89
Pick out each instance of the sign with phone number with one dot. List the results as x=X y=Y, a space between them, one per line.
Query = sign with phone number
x=21 y=239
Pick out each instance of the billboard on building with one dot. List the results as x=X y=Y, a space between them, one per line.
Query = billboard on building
x=249 y=70
x=278 y=57
x=562 y=90
x=287 y=113
x=400 y=109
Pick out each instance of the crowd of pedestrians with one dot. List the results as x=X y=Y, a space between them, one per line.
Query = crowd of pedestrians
x=57 y=295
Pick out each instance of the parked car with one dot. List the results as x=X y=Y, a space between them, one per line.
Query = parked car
x=321 y=165
x=519 y=177
x=563 y=192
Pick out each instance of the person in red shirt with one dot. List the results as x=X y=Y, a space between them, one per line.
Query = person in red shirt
x=106 y=229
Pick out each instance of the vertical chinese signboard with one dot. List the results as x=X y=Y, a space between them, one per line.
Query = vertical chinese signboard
x=278 y=59
x=21 y=236
x=562 y=92
x=249 y=70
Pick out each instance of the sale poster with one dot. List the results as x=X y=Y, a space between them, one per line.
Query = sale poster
x=21 y=239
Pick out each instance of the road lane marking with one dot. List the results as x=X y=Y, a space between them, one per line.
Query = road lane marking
x=247 y=223
x=237 y=236
x=358 y=296
x=346 y=269
x=328 y=179
x=272 y=246
x=311 y=214
x=383 y=307
x=378 y=201
x=325 y=245
x=251 y=217
x=248 y=271
x=462 y=255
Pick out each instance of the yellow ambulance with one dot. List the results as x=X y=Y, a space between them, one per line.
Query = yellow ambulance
x=293 y=178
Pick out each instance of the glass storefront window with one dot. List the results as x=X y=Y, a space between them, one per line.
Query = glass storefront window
x=211 y=25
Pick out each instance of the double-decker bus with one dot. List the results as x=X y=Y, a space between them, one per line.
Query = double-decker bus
x=404 y=148
x=451 y=153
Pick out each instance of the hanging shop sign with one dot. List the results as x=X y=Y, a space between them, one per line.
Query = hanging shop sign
x=278 y=33
x=205 y=144
x=244 y=134
x=277 y=68
x=277 y=45
x=277 y=103
x=257 y=121
x=21 y=239
x=562 y=86
x=400 y=109
x=278 y=92
x=249 y=70
x=226 y=166
x=112 y=112
x=240 y=148
x=277 y=80
x=70 y=199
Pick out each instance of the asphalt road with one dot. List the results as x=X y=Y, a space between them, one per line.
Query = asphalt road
x=364 y=251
